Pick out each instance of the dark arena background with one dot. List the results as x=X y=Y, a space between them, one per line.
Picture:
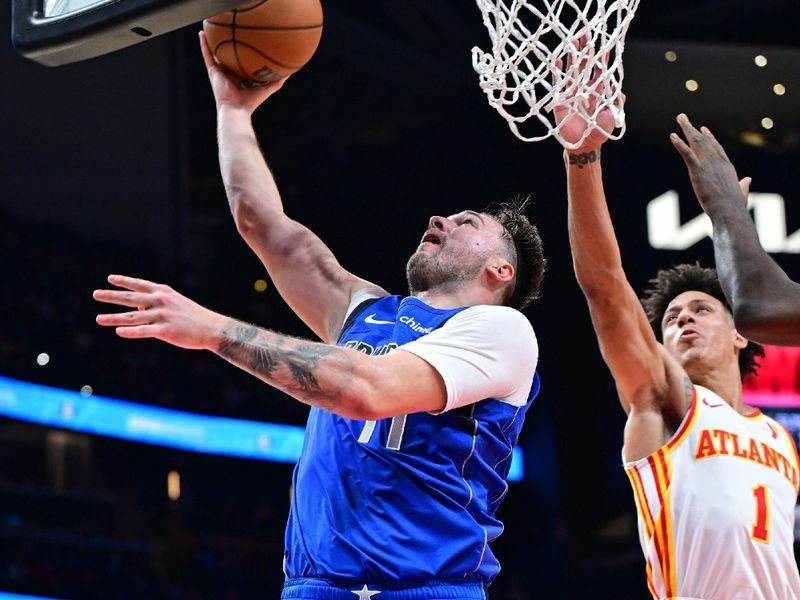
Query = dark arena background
x=109 y=166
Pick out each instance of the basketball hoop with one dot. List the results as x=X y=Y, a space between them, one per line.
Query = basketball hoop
x=531 y=40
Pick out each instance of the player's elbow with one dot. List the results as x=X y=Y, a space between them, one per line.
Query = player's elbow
x=361 y=406
x=599 y=285
x=372 y=397
x=750 y=318
x=767 y=325
x=358 y=410
x=249 y=220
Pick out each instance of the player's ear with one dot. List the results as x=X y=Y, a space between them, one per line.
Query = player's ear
x=500 y=271
x=739 y=341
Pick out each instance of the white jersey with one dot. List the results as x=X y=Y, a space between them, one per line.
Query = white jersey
x=716 y=507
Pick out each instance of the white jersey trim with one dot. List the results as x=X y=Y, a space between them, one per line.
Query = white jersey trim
x=482 y=352
x=358 y=297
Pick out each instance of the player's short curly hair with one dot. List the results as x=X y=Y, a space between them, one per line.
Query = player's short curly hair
x=669 y=283
x=523 y=239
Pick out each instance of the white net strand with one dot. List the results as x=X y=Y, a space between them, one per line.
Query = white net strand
x=530 y=71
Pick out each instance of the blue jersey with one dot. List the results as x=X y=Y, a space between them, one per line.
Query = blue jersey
x=407 y=499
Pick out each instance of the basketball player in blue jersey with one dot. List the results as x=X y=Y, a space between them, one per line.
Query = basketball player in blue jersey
x=417 y=401
x=765 y=302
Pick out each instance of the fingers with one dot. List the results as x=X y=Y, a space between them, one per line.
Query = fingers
x=139 y=332
x=698 y=139
x=132 y=283
x=138 y=295
x=126 y=319
x=694 y=139
x=575 y=50
x=690 y=133
x=702 y=144
x=133 y=324
x=208 y=56
x=744 y=185
x=556 y=72
x=714 y=143
x=131 y=299
x=683 y=149
x=267 y=88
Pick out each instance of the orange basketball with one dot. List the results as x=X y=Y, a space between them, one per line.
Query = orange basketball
x=266 y=40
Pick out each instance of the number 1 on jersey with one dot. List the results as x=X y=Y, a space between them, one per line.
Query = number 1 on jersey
x=761 y=524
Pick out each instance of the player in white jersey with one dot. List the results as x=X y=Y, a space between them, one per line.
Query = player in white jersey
x=715 y=481
x=705 y=504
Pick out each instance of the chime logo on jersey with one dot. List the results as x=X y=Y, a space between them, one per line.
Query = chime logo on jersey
x=718 y=442
x=366 y=348
x=414 y=325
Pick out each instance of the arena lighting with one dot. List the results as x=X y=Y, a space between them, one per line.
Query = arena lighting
x=161 y=426
x=8 y=596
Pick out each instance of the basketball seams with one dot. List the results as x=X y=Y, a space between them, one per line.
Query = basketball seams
x=277 y=37
x=259 y=52
x=250 y=7
x=242 y=71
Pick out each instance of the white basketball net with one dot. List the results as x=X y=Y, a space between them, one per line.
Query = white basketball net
x=522 y=78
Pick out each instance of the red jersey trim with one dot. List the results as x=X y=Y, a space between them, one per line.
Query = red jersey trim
x=688 y=422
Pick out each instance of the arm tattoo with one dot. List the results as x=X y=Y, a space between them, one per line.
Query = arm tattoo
x=580 y=160
x=288 y=364
x=688 y=389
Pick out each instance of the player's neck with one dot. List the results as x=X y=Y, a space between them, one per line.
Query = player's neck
x=455 y=298
x=726 y=384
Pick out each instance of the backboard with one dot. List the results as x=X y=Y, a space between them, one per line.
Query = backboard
x=58 y=32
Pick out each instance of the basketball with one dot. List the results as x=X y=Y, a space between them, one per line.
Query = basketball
x=265 y=40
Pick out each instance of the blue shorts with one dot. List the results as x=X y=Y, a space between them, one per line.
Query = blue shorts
x=322 y=589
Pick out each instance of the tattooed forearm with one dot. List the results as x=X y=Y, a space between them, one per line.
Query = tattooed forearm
x=306 y=361
x=238 y=345
x=292 y=365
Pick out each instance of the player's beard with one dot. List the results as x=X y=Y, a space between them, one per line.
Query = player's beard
x=440 y=272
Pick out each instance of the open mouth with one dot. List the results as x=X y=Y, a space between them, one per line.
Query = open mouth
x=689 y=333
x=432 y=238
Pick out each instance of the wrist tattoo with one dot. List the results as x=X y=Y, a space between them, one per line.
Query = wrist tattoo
x=584 y=158
x=286 y=363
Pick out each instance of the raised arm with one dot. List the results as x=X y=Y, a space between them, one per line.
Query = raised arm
x=302 y=267
x=651 y=385
x=765 y=302
x=626 y=340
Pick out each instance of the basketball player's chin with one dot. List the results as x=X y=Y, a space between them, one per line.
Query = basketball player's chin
x=694 y=361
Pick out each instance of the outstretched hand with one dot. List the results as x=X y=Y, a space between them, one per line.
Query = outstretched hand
x=713 y=176
x=230 y=91
x=160 y=313
x=572 y=126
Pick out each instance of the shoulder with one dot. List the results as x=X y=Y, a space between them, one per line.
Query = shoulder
x=482 y=352
x=501 y=318
x=498 y=324
x=495 y=330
